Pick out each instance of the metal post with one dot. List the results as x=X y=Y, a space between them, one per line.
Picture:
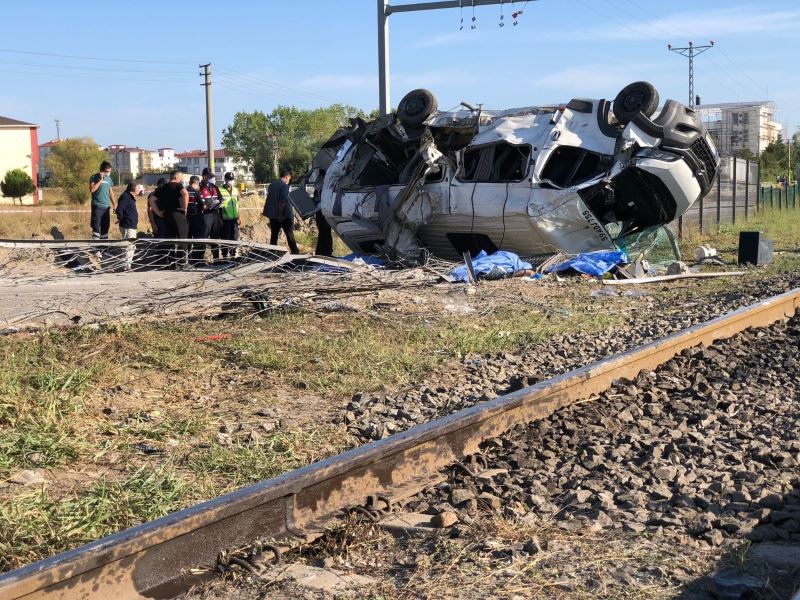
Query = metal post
x=385 y=10
x=747 y=189
x=719 y=198
x=780 y=194
x=383 y=58
x=702 y=211
x=733 y=196
x=759 y=190
x=771 y=198
x=680 y=227
x=209 y=121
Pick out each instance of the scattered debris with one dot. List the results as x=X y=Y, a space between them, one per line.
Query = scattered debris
x=704 y=252
x=678 y=268
x=671 y=278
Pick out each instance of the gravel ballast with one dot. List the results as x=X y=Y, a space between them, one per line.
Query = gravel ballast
x=376 y=416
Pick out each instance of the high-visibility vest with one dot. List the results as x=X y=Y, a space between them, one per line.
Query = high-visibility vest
x=229 y=208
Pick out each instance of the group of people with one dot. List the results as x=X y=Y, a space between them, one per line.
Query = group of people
x=201 y=210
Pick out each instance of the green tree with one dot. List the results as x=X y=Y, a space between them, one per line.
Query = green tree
x=250 y=138
x=288 y=137
x=72 y=162
x=745 y=153
x=17 y=184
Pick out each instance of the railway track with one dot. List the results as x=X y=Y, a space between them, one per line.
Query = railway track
x=161 y=558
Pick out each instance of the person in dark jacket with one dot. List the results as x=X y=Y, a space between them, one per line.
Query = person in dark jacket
x=128 y=218
x=209 y=192
x=197 y=222
x=153 y=211
x=279 y=211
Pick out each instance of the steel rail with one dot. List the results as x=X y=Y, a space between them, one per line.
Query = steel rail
x=151 y=560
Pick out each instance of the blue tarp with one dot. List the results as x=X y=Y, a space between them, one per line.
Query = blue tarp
x=492 y=266
x=370 y=260
x=596 y=263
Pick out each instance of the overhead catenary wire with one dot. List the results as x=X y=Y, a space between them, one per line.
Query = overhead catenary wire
x=96 y=77
x=266 y=83
x=92 y=69
x=95 y=58
x=655 y=24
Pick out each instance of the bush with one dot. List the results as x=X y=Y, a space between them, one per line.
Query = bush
x=17 y=184
x=72 y=162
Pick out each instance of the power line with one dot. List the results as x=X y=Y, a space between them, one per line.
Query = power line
x=95 y=78
x=96 y=58
x=672 y=33
x=268 y=84
x=94 y=69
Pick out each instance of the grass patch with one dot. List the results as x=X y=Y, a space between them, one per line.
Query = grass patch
x=223 y=468
x=782 y=226
x=34 y=526
x=364 y=354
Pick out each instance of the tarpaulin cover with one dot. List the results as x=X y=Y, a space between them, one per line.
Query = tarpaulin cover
x=596 y=263
x=492 y=266
x=365 y=258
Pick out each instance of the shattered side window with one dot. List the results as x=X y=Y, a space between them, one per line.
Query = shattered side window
x=569 y=165
x=495 y=163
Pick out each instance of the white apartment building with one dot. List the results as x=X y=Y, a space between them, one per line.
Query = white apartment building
x=125 y=160
x=741 y=125
x=167 y=159
x=194 y=161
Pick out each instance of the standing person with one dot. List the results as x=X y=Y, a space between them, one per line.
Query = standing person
x=173 y=201
x=154 y=214
x=279 y=211
x=324 y=233
x=197 y=223
x=128 y=218
x=102 y=201
x=229 y=211
x=209 y=192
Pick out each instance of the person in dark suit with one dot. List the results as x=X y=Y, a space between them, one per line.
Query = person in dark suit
x=279 y=211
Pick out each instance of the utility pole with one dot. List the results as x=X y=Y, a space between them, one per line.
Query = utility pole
x=690 y=52
x=385 y=10
x=209 y=121
x=58 y=130
x=276 y=136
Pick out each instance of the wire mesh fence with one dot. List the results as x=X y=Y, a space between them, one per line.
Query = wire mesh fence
x=44 y=282
x=737 y=194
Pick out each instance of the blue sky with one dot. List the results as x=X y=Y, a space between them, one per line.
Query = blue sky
x=316 y=52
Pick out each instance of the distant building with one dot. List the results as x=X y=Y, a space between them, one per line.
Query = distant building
x=167 y=158
x=126 y=161
x=194 y=161
x=19 y=149
x=44 y=151
x=131 y=161
x=741 y=125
